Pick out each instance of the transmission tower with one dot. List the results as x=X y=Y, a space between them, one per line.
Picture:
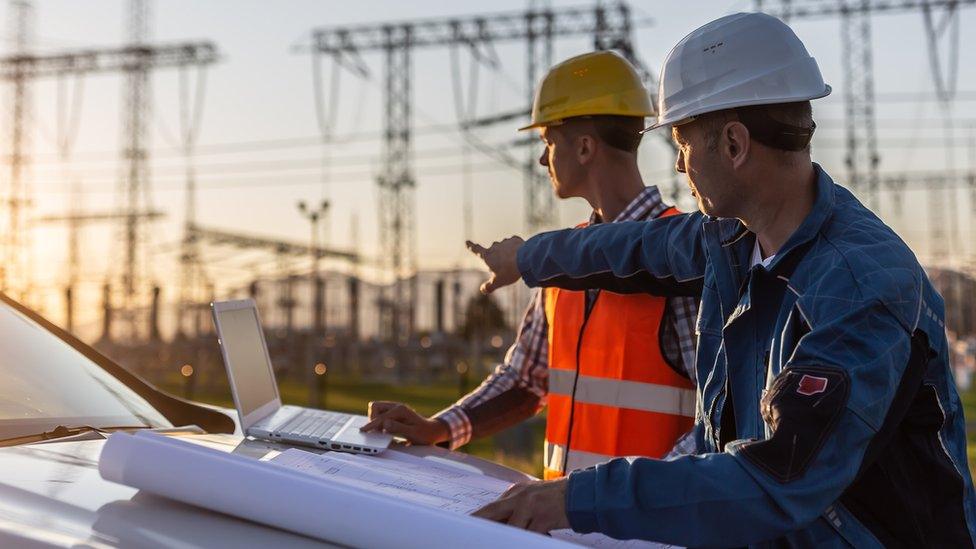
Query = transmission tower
x=540 y=204
x=861 y=159
x=608 y=26
x=134 y=185
x=14 y=272
x=136 y=61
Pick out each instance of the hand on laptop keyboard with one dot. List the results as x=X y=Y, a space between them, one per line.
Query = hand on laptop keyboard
x=401 y=420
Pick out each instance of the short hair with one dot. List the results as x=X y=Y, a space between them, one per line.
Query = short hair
x=620 y=132
x=799 y=114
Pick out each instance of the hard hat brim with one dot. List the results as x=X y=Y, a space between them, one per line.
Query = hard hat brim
x=541 y=125
x=673 y=121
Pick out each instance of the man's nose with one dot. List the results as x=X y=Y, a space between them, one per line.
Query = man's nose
x=544 y=159
x=679 y=164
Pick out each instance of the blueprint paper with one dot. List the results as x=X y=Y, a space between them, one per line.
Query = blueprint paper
x=415 y=479
x=417 y=483
x=278 y=496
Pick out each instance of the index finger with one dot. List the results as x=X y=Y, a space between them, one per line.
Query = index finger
x=377 y=413
x=379 y=407
x=499 y=510
x=476 y=248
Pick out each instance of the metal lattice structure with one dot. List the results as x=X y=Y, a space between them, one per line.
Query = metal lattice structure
x=134 y=184
x=801 y=9
x=609 y=26
x=15 y=247
x=540 y=204
x=220 y=237
x=136 y=60
x=107 y=60
x=396 y=183
x=862 y=158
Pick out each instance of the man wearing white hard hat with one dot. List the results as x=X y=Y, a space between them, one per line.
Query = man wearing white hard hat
x=827 y=415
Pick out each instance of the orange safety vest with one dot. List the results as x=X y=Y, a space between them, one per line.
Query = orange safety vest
x=628 y=401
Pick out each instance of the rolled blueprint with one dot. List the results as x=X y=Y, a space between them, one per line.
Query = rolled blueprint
x=279 y=497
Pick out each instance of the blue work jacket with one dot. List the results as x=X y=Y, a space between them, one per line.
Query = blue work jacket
x=826 y=415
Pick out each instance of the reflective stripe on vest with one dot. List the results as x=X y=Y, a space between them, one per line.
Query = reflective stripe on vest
x=628 y=400
x=635 y=395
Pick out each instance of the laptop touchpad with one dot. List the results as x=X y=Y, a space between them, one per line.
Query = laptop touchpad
x=350 y=434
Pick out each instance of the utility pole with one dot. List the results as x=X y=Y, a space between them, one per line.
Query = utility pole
x=316 y=285
x=317 y=288
x=608 y=24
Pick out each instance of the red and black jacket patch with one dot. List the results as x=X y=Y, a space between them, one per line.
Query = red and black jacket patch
x=801 y=407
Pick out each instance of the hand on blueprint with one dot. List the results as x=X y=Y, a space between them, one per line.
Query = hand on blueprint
x=539 y=506
x=401 y=420
x=500 y=258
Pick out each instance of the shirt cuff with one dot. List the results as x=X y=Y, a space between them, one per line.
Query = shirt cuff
x=581 y=501
x=458 y=426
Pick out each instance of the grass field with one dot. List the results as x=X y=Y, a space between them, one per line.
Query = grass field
x=969 y=404
x=351 y=395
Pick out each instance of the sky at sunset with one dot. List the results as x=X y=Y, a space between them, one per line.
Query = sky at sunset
x=260 y=151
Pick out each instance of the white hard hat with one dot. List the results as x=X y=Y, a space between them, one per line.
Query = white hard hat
x=736 y=61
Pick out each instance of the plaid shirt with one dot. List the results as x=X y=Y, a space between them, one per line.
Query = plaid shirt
x=526 y=364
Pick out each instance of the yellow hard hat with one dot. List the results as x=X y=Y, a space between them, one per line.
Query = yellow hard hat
x=600 y=82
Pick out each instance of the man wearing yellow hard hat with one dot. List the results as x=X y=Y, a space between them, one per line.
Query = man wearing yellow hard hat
x=615 y=370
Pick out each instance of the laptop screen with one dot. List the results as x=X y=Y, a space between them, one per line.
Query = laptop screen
x=243 y=344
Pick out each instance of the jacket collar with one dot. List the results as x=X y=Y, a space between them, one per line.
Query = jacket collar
x=731 y=231
x=728 y=244
x=808 y=230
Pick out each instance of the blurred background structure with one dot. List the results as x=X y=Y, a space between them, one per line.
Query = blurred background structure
x=330 y=162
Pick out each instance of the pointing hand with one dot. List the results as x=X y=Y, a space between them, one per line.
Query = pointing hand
x=501 y=260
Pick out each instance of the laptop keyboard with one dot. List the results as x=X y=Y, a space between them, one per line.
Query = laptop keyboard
x=316 y=424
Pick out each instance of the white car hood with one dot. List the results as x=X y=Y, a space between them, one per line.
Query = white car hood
x=51 y=495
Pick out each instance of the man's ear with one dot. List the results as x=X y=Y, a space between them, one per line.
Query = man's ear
x=585 y=148
x=737 y=143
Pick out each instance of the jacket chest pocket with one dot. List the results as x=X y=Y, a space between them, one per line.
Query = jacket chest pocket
x=710 y=361
x=709 y=313
x=708 y=328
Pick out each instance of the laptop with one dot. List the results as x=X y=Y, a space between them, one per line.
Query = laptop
x=252 y=382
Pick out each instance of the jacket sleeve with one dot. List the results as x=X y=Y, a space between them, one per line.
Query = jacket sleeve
x=822 y=412
x=663 y=256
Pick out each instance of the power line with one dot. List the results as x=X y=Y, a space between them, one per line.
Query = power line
x=232 y=147
x=269 y=181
